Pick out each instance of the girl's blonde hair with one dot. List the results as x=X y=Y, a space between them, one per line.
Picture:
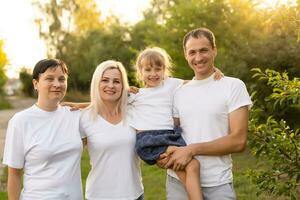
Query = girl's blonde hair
x=96 y=102
x=153 y=56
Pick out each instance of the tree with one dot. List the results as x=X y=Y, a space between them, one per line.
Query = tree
x=274 y=140
x=3 y=62
x=26 y=80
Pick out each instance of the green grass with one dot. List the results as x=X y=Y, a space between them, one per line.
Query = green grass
x=154 y=179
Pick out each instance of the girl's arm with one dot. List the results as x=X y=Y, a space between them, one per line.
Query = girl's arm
x=176 y=121
x=14 y=183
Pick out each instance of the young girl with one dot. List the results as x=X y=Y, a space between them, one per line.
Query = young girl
x=151 y=116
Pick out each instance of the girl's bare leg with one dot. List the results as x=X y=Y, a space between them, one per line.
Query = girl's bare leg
x=190 y=177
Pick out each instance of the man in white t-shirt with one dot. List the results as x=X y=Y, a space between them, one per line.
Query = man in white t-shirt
x=214 y=118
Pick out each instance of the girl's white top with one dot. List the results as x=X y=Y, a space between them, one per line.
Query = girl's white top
x=115 y=172
x=151 y=108
x=47 y=145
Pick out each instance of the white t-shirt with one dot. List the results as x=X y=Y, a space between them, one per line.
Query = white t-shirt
x=203 y=107
x=151 y=108
x=115 y=172
x=47 y=145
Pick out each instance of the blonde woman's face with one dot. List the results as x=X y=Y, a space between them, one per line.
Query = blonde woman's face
x=152 y=76
x=110 y=87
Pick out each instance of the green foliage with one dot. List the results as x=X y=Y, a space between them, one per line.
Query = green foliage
x=246 y=36
x=274 y=140
x=26 y=80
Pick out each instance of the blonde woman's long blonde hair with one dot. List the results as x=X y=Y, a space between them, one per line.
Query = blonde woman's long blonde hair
x=96 y=102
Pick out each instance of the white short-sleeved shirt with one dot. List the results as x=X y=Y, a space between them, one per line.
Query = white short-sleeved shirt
x=151 y=108
x=48 y=146
x=115 y=172
x=203 y=107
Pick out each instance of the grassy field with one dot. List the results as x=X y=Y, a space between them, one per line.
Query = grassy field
x=154 y=179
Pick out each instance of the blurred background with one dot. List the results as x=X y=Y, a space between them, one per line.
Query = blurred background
x=250 y=34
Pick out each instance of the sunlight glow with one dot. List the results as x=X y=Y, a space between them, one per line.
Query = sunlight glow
x=274 y=3
x=20 y=33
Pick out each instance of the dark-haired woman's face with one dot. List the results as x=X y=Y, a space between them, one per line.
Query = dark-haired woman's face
x=52 y=85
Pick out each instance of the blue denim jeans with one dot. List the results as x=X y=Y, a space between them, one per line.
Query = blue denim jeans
x=150 y=144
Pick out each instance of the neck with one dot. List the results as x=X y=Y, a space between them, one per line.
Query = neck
x=47 y=105
x=199 y=76
x=111 y=112
x=110 y=108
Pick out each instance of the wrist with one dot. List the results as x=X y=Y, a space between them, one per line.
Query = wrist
x=191 y=150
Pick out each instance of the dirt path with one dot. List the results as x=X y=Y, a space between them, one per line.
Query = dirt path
x=19 y=103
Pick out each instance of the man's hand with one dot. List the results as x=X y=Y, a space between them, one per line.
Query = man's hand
x=165 y=157
x=163 y=160
x=180 y=157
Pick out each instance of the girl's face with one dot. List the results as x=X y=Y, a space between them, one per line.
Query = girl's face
x=152 y=75
x=111 y=85
x=51 y=86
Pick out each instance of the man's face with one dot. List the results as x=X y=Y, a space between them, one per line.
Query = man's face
x=200 y=55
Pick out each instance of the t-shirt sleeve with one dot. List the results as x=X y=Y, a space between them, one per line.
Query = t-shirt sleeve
x=239 y=96
x=176 y=82
x=14 y=155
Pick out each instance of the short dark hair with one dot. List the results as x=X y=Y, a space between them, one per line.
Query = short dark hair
x=45 y=64
x=200 y=32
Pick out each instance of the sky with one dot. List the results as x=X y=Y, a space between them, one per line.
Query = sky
x=20 y=33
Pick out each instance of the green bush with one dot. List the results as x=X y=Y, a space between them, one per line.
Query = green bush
x=274 y=140
x=26 y=80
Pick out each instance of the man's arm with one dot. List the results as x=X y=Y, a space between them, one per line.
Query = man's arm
x=234 y=142
x=14 y=183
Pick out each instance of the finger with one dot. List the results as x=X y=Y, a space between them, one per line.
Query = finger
x=169 y=163
x=163 y=155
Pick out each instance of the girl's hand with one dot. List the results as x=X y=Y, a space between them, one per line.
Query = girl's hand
x=218 y=74
x=133 y=89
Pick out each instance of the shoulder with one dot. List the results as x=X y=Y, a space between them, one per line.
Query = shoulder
x=67 y=111
x=175 y=81
x=86 y=115
x=231 y=82
x=23 y=115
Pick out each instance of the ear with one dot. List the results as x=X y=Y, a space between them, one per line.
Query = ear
x=184 y=52
x=34 y=83
x=215 y=51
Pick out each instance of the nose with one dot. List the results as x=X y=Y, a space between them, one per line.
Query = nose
x=110 y=84
x=56 y=83
x=198 y=56
x=153 y=73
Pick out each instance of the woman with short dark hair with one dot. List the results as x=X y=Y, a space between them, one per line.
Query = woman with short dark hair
x=43 y=142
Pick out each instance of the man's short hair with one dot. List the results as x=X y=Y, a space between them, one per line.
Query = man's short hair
x=200 y=32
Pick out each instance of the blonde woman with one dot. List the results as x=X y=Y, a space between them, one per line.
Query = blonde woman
x=115 y=172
